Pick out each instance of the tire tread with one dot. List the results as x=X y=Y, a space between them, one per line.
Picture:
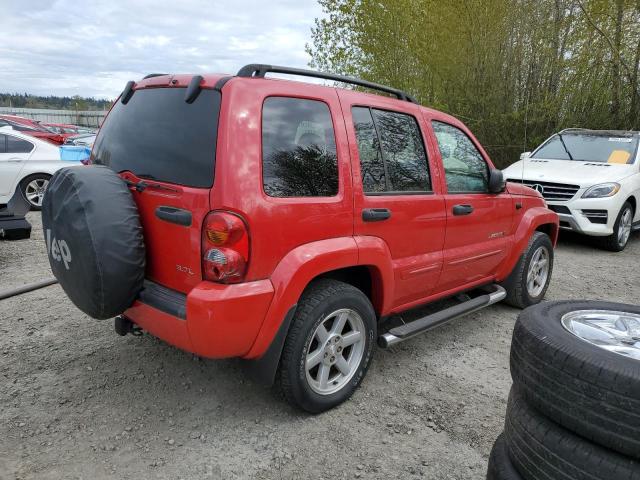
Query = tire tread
x=542 y=450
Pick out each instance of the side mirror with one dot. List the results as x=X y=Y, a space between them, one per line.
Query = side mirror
x=497 y=183
x=525 y=155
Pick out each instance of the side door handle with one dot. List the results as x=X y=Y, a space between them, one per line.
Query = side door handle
x=14 y=160
x=375 y=214
x=462 y=209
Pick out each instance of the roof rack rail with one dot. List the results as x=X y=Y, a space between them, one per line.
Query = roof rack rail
x=259 y=71
x=151 y=75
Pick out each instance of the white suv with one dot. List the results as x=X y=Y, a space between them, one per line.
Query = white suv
x=590 y=178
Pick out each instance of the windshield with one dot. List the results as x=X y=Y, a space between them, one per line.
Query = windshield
x=589 y=148
x=159 y=136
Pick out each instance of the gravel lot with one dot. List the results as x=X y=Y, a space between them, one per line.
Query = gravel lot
x=77 y=401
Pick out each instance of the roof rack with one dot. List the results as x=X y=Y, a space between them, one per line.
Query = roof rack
x=604 y=133
x=259 y=71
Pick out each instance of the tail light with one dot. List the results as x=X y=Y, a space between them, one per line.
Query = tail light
x=225 y=248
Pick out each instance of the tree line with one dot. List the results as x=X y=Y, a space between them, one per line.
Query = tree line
x=515 y=71
x=24 y=100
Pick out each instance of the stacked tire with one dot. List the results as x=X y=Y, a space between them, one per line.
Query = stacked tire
x=574 y=408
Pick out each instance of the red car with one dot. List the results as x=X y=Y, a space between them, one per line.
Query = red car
x=66 y=129
x=291 y=224
x=32 y=128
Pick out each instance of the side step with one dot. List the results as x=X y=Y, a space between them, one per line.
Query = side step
x=411 y=329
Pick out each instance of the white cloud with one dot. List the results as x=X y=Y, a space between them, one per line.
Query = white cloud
x=93 y=48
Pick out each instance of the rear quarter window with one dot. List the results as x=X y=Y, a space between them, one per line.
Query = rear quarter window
x=18 y=145
x=298 y=148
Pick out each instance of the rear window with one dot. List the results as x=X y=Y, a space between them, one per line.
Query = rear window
x=157 y=135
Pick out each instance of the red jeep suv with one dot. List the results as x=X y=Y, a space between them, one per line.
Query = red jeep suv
x=292 y=224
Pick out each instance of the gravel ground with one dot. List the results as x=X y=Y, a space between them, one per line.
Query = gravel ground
x=77 y=401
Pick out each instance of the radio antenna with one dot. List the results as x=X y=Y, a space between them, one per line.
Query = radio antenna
x=526 y=123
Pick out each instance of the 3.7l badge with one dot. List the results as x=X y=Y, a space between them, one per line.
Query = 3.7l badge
x=182 y=269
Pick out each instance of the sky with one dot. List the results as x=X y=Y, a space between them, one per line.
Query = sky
x=92 y=48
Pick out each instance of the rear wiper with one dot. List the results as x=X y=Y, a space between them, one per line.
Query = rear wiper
x=141 y=185
x=565 y=146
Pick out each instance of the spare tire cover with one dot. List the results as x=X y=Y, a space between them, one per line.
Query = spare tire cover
x=94 y=239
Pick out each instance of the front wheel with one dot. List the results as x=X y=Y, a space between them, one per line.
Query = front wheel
x=33 y=189
x=621 y=230
x=528 y=282
x=329 y=346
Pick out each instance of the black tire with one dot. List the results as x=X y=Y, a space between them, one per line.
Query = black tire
x=25 y=183
x=318 y=301
x=540 y=449
x=590 y=391
x=500 y=466
x=516 y=283
x=612 y=242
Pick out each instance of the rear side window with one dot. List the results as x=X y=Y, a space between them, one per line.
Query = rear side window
x=392 y=154
x=298 y=149
x=17 y=145
x=159 y=136
x=373 y=171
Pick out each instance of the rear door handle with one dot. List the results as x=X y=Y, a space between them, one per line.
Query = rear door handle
x=462 y=209
x=375 y=214
x=174 y=215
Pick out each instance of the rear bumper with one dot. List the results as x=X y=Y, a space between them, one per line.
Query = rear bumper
x=214 y=321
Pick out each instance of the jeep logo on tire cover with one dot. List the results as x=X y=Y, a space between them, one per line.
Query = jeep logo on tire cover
x=58 y=250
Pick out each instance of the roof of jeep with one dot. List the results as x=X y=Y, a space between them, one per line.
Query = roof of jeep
x=210 y=80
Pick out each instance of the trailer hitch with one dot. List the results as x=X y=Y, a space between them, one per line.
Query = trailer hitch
x=123 y=326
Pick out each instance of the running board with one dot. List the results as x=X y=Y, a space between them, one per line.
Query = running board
x=411 y=329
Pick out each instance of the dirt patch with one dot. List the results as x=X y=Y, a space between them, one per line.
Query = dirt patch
x=80 y=402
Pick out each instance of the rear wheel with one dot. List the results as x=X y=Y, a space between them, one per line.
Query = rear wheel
x=33 y=188
x=621 y=230
x=329 y=346
x=528 y=282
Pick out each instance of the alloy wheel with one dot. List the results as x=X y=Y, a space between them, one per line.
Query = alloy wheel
x=617 y=332
x=34 y=191
x=624 y=227
x=335 y=351
x=538 y=272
